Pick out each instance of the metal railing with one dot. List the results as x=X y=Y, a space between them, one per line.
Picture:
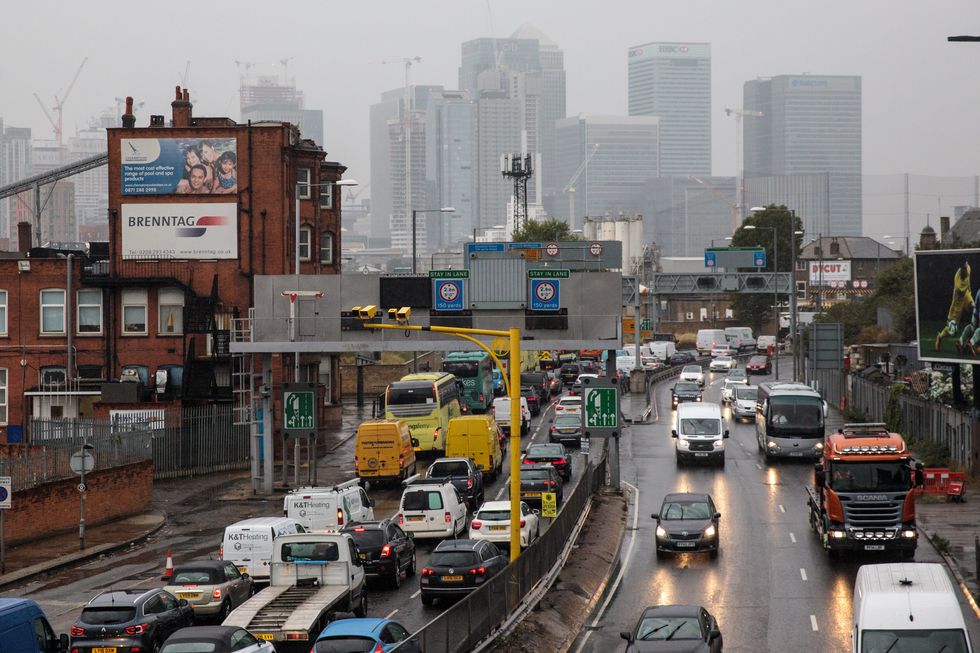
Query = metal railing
x=479 y=614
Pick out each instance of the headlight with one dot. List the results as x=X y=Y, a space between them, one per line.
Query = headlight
x=709 y=532
x=773 y=445
x=661 y=533
x=909 y=534
x=719 y=444
x=818 y=446
x=838 y=534
x=683 y=444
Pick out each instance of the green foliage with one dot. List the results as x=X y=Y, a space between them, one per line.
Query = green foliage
x=893 y=409
x=940 y=542
x=853 y=315
x=931 y=453
x=896 y=287
x=854 y=415
x=544 y=232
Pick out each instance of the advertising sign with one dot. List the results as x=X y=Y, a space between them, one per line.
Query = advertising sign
x=180 y=231
x=947 y=317
x=832 y=274
x=168 y=166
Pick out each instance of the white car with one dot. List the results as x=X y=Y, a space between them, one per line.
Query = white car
x=721 y=364
x=728 y=390
x=693 y=373
x=492 y=523
x=569 y=405
x=431 y=509
x=739 y=375
x=722 y=350
x=649 y=362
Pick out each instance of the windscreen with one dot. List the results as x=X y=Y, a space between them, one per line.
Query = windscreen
x=913 y=641
x=405 y=394
x=345 y=644
x=108 y=615
x=691 y=368
x=447 y=469
x=687 y=387
x=796 y=412
x=494 y=515
x=890 y=476
x=310 y=552
x=191 y=576
x=460 y=369
x=535 y=475
x=545 y=450
x=566 y=422
x=422 y=500
x=452 y=558
x=685 y=510
x=189 y=647
x=746 y=394
x=672 y=628
x=700 y=426
x=369 y=538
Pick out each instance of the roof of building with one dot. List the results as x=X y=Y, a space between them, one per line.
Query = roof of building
x=851 y=247
x=529 y=31
x=967 y=228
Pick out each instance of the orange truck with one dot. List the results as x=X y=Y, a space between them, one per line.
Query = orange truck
x=862 y=498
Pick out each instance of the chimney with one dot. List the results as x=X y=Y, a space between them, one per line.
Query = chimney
x=24 y=237
x=943 y=228
x=128 y=119
x=181 y=109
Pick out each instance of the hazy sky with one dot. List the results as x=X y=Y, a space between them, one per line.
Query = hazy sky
x=921 y=94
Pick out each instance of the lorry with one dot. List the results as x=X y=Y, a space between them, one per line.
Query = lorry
x=862 y=497
x=312 y=576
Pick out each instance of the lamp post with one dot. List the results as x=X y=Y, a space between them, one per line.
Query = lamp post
x=775 y=285
x=415 y=212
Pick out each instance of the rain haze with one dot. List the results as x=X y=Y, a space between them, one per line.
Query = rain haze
x=919 y=92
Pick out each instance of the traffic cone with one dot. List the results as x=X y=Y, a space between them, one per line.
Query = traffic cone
x=168 y=570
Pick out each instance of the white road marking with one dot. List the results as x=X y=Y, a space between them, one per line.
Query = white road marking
x=792 y=538
x=781 y=508
x=392 y=613
x=416 y=594
x=758 y=466
x=501 y=491
x=803 y=573
x=813 y=622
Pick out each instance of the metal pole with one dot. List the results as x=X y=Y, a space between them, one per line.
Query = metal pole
x=792 y=294
x=775 y=293
x=268 y=444
x=82 y=493
x=515 y=443
x=614 y=441
x=292 y=301
x=414 y=264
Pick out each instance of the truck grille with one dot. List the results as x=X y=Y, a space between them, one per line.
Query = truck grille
x=872 y=514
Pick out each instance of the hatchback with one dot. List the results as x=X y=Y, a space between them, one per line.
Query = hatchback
x=536 y=479
x=533 y=400
x=674 y=628
x=569 y=405
x=553 y=454
x=136 y=619
x=758 y=365
x=687 y=521
x=215 y=639
x=681 y=358
x=492 y=523
x=212 y=587
x=457 y=567
x=385 y=550
x=566 y=428
x=368 y=634
x=693 y=373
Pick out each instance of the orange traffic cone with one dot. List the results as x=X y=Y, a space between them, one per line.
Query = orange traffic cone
x=168 y=570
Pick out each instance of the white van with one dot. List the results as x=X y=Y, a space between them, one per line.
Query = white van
x=708 y=339
x=248 y=543
x=501 y=413
x=700 y=434
x=905 y=606
x=661 y=349
x=320 y=508
x=740 y=338
x=431 y=509
x=763 y=343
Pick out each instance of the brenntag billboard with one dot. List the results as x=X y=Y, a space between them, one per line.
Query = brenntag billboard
x=180 y=231
x=947 y=318
x=179 y=166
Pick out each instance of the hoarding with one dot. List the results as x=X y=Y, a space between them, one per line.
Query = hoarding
x=947 y=317
x=180 y=231
x=179 y=166
x=829 y=273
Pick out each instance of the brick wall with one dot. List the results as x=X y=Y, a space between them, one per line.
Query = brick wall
x=53 y=507
x=378 y=376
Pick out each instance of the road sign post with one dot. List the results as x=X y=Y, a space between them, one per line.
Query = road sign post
x=5 y=504
x=299 y=409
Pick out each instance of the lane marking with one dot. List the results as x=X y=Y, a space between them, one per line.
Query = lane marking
x=781 y=508
x=392 y=613
x=803 y=573
x=813 y=622
x=416 y=594
x=758 y=466
x=792 y=538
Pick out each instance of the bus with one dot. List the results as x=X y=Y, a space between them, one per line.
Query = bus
x=789 y=420
x=426 y=401
x=475 y=370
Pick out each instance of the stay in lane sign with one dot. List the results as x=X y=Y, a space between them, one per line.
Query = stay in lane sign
x=545 y=294
x=447 y=294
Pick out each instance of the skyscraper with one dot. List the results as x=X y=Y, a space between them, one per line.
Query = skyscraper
x=271 y=97
x=684 y=214
x=16 y=159
x=810 y=126
x=673 y=82
x=450 y=159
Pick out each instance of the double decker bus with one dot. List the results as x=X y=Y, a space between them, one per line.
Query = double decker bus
x=426 y=401
x=475 y=370
x=789 y=420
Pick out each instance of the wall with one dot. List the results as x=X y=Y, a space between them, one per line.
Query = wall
x=54 y=507
x=378 y=376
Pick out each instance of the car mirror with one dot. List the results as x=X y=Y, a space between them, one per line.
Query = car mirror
x=714 y=634
x=371 y=503
x=655 y=516
x=536 y=511
x=410 y=534
x=183 y=603
x=551 y=421
x=673 y=433
x=727 y=434
x=245 y=575
x=717 y=515
x=626 y=635
x=415 y=442
x=63 y=643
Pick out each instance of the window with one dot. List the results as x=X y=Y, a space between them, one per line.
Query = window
x=168 y=600
x=171 y=307
x=303 y=183
x=134 y=311
x=3 y=312
x=326 y=195
x=89 y=311
x=3 y=395
x=241 y=639
x=326 y=247
x=324 y=378
x=305 y=233
x=153 y=605
x=46 y=641
x=52 y=311
x=53 y=375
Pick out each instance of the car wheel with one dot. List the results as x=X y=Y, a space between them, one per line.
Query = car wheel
x=714 y=553
x=362 y=607
x=225 y=611
x=427 y=600
x=396 y=578
x=410 y=570
x=659 y=554
x=156 y=646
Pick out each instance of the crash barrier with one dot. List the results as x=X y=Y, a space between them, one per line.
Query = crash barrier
x=941 y=481
x=183 y=441
x=477 y=616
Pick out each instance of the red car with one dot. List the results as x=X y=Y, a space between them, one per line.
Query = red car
x=552 y=454
x=758 y=365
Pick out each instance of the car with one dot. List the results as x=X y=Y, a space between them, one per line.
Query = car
x=681 y=358
x=457 y=567
x=431 y=509
x=722 y=364
x=212 y=587
x=132 y=619
x=687 y=522
x=364 y=634
x=533 y=401
x=692 y=373
x=569 y=405
x=569 y=372
x=536 y=479
x=554 y=382
x=758 y=365
x=216 y=639
x=684 y=391
x=492 y=523
x=674 y=628
x=463 y=473
x=576 y=389
x=743 y=404
x=728 y=389
x=384 y=549
x=538 y=381
x=553 y=454
x=649 y=362
x=722 y=350
x=590 y=367
x=738 y=374
x=566 y=428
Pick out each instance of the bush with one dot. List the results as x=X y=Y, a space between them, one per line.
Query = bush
x=854 y=415
x=687 y=341
x=893 y=410
x=931 y=453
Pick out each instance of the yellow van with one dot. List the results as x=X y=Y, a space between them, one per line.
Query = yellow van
x=383 y=450
x=477 y=437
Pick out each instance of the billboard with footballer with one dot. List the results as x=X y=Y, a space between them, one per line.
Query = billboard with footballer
x=947 y=305
x=180 y=231
x=179 y=166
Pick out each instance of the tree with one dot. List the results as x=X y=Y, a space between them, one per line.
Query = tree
x=895 y=291
x=543 y=232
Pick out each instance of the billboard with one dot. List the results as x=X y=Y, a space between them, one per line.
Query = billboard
x=947 y=317
x=180 y=231
x=830 y=273
x=179 y=166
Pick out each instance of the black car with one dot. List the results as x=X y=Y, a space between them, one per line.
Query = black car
x=554 y=382
x=536 y=479
x=538 y=381
x=551 y=454
x=215 y=639
x=463 y=474
x=673 y=628
x=566 y=428
x=128 y=619
x=533 y=400
x=569 y=372
x=457 y=567
x=681 y=358
x=385 y=549
x=687 y=522
x=684 y=391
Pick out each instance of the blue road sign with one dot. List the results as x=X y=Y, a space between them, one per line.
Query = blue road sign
x=709 y=259
x=484 y=247
x=447 y=294
x=759 y=258
x=545 y=294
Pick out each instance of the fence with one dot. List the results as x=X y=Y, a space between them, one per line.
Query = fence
x=475 y=617
x=186 y=442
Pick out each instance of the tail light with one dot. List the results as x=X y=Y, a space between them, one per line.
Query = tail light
x=138 y=629
x=427 y=572
x=554 y=430
x=355 y=463
x=216 y=594
x=469 y=483
x=449 y=517
x=340 y=516
x=386 y=551
x=559 y=407
x=75 y=631
x=482 y=398
x=523 y=523
x=378 y=648
x=478 y=571
x=221 y=551
x=549 y=483
x=475 y=525
x=436 y=432
x=401 y=519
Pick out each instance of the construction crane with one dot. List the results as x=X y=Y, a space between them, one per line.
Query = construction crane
x=59 y=105
x=570 y=186
x=353 y=194
x=739 y=163
x=285 y=69
x=186 y=75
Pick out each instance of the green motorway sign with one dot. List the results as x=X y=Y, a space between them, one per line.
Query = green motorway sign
x=601 y=408
x=299 y=409
x=548 y=274
x=449 y=274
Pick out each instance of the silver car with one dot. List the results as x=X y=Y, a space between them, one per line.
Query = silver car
x=693 y=373
x=212 y=587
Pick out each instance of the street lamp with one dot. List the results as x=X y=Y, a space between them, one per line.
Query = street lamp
x=775 y=284
x=445 y=209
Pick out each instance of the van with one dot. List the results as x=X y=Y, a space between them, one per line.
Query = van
x=248 y=543
x=321 y=508
x=384 y=451
x=431 y=509
x=699 y=435
x=708 y=339
x=501 y=413
x=740 y=338
x=476 y=437
x=763 y=343
x=25 y=629
x=662 y=350
x=907 y=606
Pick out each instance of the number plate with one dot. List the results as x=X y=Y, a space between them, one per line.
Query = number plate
x=104 y=649
x=416 y=518
x=796 y=453
x=452 y=579
x=243 y=570
x=266 y=636
x=686 y=545
x=874 y=547
x=532 y=494
x=190 y=596
x=498 y=528
x=700 y=454
x=362 y=556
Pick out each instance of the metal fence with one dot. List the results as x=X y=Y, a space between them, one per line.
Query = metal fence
x=475 y=617
x=181 y=442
